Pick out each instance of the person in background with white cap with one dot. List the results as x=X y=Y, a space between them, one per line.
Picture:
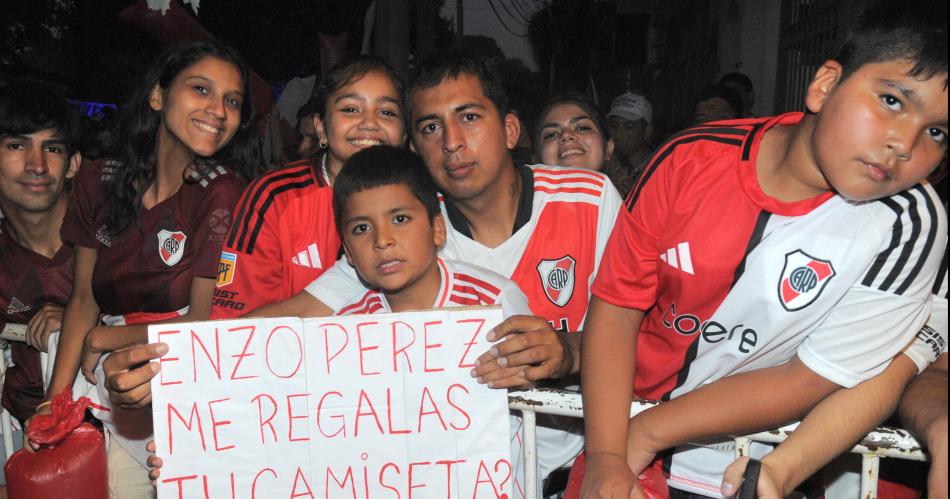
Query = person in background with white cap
x=630 y=123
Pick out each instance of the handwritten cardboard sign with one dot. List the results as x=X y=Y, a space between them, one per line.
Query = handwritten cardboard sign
x=368 y=407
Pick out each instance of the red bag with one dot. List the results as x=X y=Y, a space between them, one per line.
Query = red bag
x=652 y=480
x=72 y=461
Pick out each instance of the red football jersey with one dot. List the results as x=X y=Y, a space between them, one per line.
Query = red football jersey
x=149 y=266
x=283 y=237
x=28 y=282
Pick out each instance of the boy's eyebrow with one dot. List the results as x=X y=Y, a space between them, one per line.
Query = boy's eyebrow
x=908 y=93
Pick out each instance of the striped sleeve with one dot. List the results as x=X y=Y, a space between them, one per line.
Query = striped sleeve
x=899 y=265
x=880 y=315
x=253 y=208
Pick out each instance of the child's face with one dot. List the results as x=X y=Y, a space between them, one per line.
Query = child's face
x=879 y=131
x=363 y=114
x=388 y=237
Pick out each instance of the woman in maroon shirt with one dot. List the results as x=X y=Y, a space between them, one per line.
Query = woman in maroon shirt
x=148 y=224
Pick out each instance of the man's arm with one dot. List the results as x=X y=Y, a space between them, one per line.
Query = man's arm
x=923 y=409
x=833 y=427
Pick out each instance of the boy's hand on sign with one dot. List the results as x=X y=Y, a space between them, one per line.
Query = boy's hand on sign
x=46 y=322
x=529 y=350
x=767 y=487
x=129 y=373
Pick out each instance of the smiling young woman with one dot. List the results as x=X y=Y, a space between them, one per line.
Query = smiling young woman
x=148 y=224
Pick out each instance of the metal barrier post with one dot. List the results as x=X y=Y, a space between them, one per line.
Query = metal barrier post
x=870 y=468
x=529 y=423
x=743 y=447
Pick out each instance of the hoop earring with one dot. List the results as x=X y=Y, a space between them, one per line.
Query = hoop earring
x=323 y=143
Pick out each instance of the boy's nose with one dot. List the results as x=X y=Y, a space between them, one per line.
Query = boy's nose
x=36 y=161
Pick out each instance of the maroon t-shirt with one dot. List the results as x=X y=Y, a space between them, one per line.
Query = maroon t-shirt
x=28 y=281
x=148 y=267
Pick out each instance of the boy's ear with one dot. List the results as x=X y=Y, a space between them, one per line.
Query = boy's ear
x=438 y=231
x=74 y=161
x=412 y=146
x=822 y=85
x=346 y=254
x=609 y=153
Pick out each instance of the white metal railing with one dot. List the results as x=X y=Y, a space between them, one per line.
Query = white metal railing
x=883 y=442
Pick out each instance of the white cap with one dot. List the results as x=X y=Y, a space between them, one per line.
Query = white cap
x=632 y=107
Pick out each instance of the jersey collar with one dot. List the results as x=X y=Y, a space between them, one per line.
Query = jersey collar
x=749 y=179
x=461 y=225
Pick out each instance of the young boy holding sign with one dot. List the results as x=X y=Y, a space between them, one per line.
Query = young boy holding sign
x=387 y=211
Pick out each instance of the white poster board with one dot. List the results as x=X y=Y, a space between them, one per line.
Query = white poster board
x=372 y=406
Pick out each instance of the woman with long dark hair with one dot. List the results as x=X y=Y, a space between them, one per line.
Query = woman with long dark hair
x=148 y=223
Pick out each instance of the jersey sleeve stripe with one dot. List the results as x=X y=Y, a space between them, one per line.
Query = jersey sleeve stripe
x=464 y=301
x=566 y=190
x=908 y=247
x=914 y=233
x=940 y=285
x=928 y=244
x=252 y=204
x=473 y=293
x=266 y=204
x=666 y=150
x=896 y=231
x=489 y=288
x=565 y=177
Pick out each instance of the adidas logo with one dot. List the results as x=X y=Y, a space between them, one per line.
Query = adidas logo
x=16 y=306
x=102 y=235
x=309 y=258
x=679 y=258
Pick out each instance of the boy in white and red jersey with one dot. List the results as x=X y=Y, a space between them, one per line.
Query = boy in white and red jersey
x=801 y=247
x=39 y=137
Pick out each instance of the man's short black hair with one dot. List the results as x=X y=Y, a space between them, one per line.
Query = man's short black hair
x=380 y=166
x=890 y=30
x=28 y=107
x=440 y=66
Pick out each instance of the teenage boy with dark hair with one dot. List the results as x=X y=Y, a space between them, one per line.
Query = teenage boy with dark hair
x=39 y=140
x=820 y=274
